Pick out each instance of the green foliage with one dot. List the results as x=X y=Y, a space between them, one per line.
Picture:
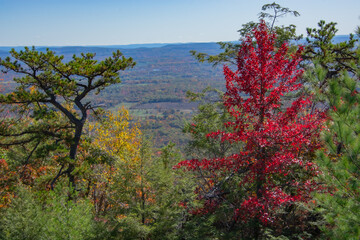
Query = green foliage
x=22 y=219
x=142 y=196
x=340 y=160
x=334 y=78
x=326 y=60
x=211 y=116
x=169 y=189
x=48 y=215
x=131 y=228
x=200 y=227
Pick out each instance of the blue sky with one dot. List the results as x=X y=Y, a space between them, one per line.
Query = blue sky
x=112 y=22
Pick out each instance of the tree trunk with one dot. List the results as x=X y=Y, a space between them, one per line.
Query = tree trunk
x=72 y=155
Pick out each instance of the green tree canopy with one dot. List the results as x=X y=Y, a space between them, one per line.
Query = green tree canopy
x=52 y=89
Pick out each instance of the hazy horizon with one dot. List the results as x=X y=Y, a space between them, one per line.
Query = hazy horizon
x=126 y=45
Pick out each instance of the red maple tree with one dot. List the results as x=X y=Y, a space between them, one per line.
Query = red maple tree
x=278 y=137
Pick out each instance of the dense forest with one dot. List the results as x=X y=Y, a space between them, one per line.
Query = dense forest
x=255 y=139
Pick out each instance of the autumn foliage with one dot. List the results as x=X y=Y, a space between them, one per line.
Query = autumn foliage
x=118 y=143
x=278 y=137
x=68 y=172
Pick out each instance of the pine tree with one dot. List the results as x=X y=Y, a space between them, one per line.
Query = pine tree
x=48 y=86
x=340 y=161
x=322 y=52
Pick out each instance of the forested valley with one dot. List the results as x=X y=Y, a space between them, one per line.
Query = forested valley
x=254 y=139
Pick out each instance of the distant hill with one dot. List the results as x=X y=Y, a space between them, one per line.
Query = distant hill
x=128 y=46
x=338 y=38
x=163 y=73
x=156 y=87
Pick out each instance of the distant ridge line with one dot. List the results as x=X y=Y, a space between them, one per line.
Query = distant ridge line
x=338 y=38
